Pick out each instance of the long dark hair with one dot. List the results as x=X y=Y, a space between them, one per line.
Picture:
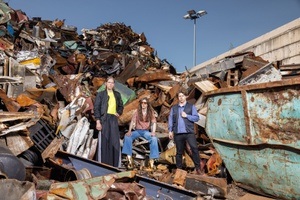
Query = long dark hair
x=149 y=113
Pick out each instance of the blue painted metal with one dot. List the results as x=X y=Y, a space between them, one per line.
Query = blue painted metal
x=256 y=130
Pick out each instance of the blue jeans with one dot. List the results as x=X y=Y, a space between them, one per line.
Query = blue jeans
x=127 y=146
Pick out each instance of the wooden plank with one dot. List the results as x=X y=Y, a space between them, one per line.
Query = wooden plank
x=205 y=86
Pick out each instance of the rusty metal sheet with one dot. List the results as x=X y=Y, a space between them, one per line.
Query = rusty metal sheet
x=10 y=104
x=18 y=143
x=207 y=185
x=160 y=100
x=267 y=73
x=174 y=90
x=179 y=177
x=133 y=68
x=169 y=157
x=163 y=114
x=221 y=66
x=68 y=85
x=213 y=164
x=129 y=190
x=130 y=107
x=251 y=61
x=157 y=75
x=11 y=116
x=23 y=100
x=48 y=95
x=93 y=188
x=21 y=127
x=52 y=149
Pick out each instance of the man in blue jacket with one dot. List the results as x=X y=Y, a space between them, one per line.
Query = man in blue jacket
x=181 y=129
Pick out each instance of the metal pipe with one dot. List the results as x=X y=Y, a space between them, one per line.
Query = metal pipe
x=194 y=64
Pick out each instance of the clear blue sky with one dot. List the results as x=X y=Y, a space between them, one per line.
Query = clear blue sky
x=228 y=24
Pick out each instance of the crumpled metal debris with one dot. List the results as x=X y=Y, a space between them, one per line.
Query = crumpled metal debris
x=50 y=72
x=98 y=188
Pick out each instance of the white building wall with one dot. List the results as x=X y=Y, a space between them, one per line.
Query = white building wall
x=281 y=44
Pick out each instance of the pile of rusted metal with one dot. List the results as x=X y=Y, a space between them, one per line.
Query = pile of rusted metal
x=50 y=74
x=49 y=77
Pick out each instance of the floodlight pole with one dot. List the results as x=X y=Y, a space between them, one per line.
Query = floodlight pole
x=193 y=15
x=194 y=64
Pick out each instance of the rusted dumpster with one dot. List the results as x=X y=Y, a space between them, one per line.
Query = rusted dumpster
x=256 y=130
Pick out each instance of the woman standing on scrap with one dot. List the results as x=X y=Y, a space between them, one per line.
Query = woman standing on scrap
x=108 y=107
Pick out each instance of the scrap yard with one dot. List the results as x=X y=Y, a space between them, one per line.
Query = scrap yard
x=247 y=99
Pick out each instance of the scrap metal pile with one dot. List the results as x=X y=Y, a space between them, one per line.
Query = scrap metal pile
x=50 y=74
